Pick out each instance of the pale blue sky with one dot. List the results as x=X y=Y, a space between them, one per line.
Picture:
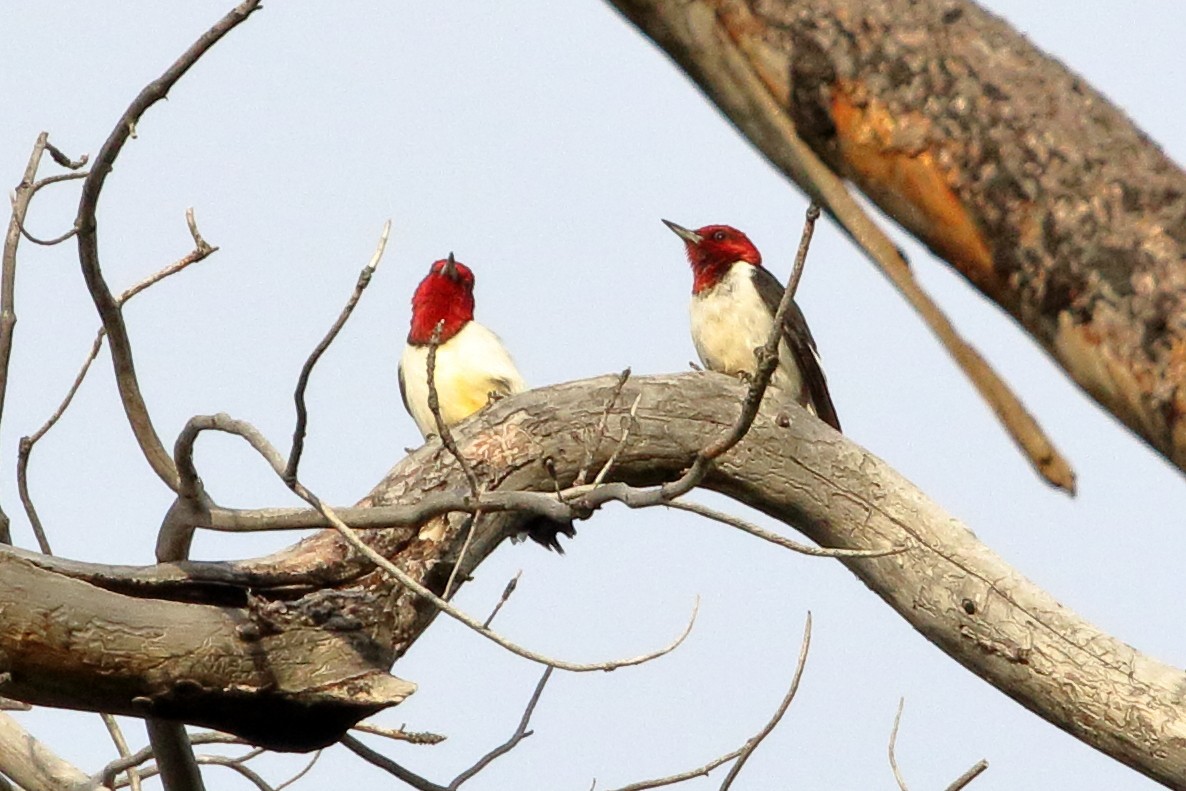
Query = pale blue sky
x=541 y=142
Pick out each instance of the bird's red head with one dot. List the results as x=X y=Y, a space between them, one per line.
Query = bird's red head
x=712 y=250
x=445 y=294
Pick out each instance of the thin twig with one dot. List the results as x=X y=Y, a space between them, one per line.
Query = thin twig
x=424 y=784
x=308 y=768
x=221 y=422
x=753 y=743
x=469 y=537
x=519 y=735
x=599 y=435
x=506 y=594
x=47 y=242
x=399 y=734
x=121 y=746
x=775 y=538
x=20 y=207
x=238 y=765
x=88 y=245
x=201 y=251
x=65 y=161
x=380 y=760
x=893 y=740
x=434 y=405
x=22 y=197
x=962 y=781
x=302 y=412
x=106 y=776
x=742 y=753
x=613 y=458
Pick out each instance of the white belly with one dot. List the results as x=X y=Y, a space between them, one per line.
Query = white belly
x=730 y=321
x=469 y=366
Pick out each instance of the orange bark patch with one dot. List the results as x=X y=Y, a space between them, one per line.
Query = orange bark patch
x=908 y=183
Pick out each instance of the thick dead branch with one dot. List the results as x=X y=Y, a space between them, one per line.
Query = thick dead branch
x=1026 y=180
x=32 y=765
x=88 y=241
x=321 y=605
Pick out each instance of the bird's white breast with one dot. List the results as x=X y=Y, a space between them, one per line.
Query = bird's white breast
x=469 y=366
x=730 y=321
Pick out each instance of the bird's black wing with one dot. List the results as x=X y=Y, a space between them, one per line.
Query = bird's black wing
x=403 y=391
x=802 y=346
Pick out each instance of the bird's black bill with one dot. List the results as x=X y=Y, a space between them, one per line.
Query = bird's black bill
x=691 y=237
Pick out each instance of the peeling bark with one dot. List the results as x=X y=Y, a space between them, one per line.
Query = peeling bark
x=70 y=639
x=1025 y=179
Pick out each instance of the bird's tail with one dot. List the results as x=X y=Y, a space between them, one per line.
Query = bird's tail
x=546 y=532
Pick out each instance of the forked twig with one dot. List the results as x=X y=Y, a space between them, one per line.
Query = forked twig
x=201 y=251
x=519 y=735
x=599 y=435
x=742 y=753
x=88 y=245
x=423 y=784
x=302 y=412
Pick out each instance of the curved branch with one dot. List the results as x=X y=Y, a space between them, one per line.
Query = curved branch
x=88 y=241
x=943 y=582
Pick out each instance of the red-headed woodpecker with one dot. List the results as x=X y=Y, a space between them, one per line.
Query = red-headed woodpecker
x=472 y=365
x=471 y=362
x=734 y=300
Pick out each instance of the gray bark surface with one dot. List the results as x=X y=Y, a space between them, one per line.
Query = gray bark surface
x=71 y=640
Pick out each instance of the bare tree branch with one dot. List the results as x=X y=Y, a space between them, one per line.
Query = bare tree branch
x=599 y=434
x=20 y=208
x=225 y=423
x=307 y=768
x=201 y=251
x=519 y=735
x=506 y=594
x=32 y=765
x=380 y=760
x=893 y=739
x=741 y=754
x=174 y=755
x=741 y=60
x=967 y=777
x=364 y=280
x=121 y=746
x=399 y=734
x=88 y=244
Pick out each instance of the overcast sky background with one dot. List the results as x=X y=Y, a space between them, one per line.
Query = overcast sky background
x=541 y=142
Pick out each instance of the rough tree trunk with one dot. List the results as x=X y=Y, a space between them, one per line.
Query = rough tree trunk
x=348 y=623
x=1025 y=179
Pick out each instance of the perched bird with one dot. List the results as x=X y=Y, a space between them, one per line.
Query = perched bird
x=734 y=300
x=472 y=365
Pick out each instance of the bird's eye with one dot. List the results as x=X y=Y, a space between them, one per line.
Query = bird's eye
x=719 y=236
